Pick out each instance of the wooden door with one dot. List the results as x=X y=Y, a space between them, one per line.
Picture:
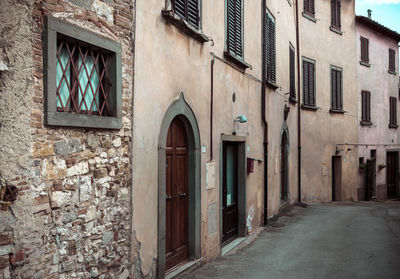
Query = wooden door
x=391 y=174
x=176 y=241
x=336 y=178
x=371 y=178
x=284 y=157
x=230 y=192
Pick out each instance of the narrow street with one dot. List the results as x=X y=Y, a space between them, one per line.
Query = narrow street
x=340 y=240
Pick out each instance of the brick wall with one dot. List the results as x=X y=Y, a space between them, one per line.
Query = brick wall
x=71 y=218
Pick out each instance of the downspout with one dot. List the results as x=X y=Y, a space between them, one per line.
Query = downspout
x=211 y=109
x=298 y=104
x=263 y=117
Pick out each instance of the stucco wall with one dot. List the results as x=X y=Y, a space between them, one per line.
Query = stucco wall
x=71 y=215
x=382 y=85
x=321 y=129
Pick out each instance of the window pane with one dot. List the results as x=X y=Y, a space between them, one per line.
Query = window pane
x=89 y=82
x=63 y=81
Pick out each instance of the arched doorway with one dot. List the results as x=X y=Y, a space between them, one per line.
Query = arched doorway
x=176 y=235
x=179 y=193
x=284 y=193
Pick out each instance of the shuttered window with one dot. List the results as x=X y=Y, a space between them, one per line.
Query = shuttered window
x=188 y=10
x=392 y=58
x=335 y=13
x=292 y=76
x=365 y=107
x=364 y=50
x=309 y=7
x=336 y=89
x=309 y=83
x=393 y=112
x=270 y=49
x=234 y=28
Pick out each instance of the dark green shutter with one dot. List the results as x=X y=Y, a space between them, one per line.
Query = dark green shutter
x=188 y=10
x=234 y=27
x=270 y=44
x=292 y=73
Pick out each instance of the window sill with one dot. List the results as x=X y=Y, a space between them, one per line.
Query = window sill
x=336 y=30
x=67 y=119
x=292 y=100
x=391 y=72
x=184 y=26
x=237 y=60
x=393 y=126
x=340 y=111
x=309 y=16
x=271 y=84
x=366 y=64
x=366 y=123
x=308 y=107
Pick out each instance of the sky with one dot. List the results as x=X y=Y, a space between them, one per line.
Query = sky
x=386 y=12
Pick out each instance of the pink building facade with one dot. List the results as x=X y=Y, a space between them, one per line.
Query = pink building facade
x=378 y=105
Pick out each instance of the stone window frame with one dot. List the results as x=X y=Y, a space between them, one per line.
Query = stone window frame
x=54 y=26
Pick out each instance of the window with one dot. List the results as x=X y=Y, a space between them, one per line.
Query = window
x=292 y=76
x=309 y=83
x=270 y=49
x=188 y=10
x=234 y=32
x=336 y=89
x=392 y=59
x=364 y=51
x=83 y=80
x=365 y=108
x=335 y=14
x=309 y=7
x=393 y=112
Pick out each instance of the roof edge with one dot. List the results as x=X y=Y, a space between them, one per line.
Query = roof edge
x=378 y=27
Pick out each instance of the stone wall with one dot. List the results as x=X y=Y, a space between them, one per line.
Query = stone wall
x=71 y=218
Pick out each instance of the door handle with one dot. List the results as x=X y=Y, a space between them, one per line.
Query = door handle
x=181 y=195
x=169 y=197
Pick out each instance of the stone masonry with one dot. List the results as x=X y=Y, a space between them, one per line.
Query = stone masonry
x=72 y=213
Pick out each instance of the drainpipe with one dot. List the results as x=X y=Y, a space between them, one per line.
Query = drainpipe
x=263 y=117
x=298 y=104
x=211 y=108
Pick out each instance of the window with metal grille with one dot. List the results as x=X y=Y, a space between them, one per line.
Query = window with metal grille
x=188 y=10
x=309 y=83
x=83 y=80
x=392 y=59
x=335 y=13
x=364 y=50
x=336 y=89
x=292 y=75
x=234 y=32
x=393 y=112
x=365 y=108
x=309 y=7
x=270 y=49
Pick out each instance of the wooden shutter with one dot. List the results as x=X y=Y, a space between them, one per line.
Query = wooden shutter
x=364 y=50
x=309 y=7
x=335 y=13
x=271 y=55
x=308 y=84
x=333 y=90
x=234 y=27
x=365 y=106
x=393 y=111
x=336 y=90
x=189 y=10
x=292 y=73
x=392 y=57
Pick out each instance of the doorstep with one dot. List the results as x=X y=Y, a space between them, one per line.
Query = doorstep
x=178 y=270
x=230 y=246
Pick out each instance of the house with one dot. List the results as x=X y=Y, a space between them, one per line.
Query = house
x=378 y=106
x=65 y=137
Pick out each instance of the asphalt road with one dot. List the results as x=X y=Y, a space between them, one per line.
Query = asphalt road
x=340 y=240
